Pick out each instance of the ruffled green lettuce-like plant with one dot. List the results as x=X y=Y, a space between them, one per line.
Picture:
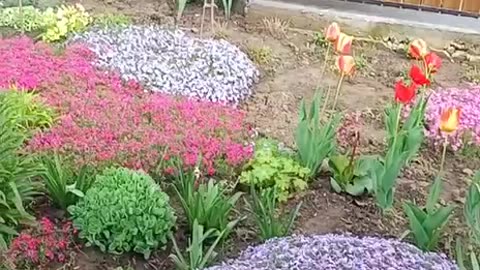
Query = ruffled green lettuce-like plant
x=315 y=140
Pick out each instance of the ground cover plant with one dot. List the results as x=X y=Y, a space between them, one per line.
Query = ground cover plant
x=92 y=135
x=160 y=175
x=124 y=211
x=175 y=63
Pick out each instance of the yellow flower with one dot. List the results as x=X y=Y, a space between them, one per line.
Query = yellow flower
x=449 y=120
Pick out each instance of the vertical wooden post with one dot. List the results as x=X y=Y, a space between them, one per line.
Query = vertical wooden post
x=460 y=6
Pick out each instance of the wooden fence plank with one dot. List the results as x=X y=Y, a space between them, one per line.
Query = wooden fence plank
x=432 y=3
x=471 y=6
x=451 y=4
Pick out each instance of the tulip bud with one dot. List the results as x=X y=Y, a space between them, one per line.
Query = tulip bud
x=346 y=64
x=418 y=49
x=332 y=32
x=343 y=45
x=433 y=61
x=449 y=120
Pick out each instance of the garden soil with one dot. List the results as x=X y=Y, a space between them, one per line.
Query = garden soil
x=291 y=65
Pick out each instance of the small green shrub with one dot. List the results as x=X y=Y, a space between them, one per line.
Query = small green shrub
x=112 y=20
x=350 y=175
x=264 y=209
x=31 y=21
x=426 y=223
x=59 y=23
x=124 y=211
x=17 y=171
x=271 y=167
x=197 y=259
x=26 y=110
x=205 y=203
x=63 y=186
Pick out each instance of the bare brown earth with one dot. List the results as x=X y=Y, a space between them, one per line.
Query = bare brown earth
x=291 y=67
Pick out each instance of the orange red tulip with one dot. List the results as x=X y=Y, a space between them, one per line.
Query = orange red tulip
x=433 y=62
x=418 y=49
x=449 y=120
x=332 y=32
x=343 y=45
x=417 y=75
x=346 y=64
x=404 y=93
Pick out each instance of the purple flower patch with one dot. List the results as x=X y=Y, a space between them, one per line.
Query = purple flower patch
x=336 y=252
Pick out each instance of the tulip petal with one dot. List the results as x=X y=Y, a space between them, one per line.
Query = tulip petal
x=417 y=75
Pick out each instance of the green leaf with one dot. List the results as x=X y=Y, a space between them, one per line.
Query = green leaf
x=421 y=237
x=435 y=221
x=434 y=194
x=335 y=186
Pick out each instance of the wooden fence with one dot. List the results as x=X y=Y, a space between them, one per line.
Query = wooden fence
x=467 y=6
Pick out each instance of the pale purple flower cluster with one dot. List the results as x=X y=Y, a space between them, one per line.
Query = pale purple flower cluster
x=336 y=252
x=468 y=100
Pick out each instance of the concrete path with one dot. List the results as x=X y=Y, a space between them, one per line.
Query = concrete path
x=379 y=14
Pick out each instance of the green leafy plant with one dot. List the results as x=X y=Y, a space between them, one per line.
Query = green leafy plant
x=207 y=204
x=27 y=112
x=180 y=4
x=264 y=209
x=315 y=141
x=470 y=263
x=112 y=20
x=472 y=207
x=403 y=144
x=64 y=186
x=59 y=23
x=272 y=167
x=350 y=175
x=227 y=7
x=197 y=258
x=30 y=19
x=426 y=223
x=124 y=211
x=17 y=172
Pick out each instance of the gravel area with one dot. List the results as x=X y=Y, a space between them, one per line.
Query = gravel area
x=336 y=252
x=172 y=62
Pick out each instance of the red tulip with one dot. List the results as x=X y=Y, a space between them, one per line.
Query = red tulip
x=433 y=61
x=346 y=64
x=404 y=93
x=418 y=49
x=417 y=75
x=332 y=32
x=343 y=45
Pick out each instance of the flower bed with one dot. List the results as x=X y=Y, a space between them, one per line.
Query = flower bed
x=322 y=252
x=174 y=63
x=105 y=120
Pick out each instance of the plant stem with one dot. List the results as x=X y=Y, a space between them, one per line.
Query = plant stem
x=444 y=153
x=325 y=61
x=339 y=85
x=397 y=124
x=325 y=102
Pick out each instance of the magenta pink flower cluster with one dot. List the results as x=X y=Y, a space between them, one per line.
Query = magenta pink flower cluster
x=43 y=245
x=105 y=120
x=468 y=100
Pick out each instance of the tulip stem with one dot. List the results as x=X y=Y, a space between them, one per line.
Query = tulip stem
x=444 y=153
x=325 y=61
x=325 y=102
x=397 y=124
x=337 y=92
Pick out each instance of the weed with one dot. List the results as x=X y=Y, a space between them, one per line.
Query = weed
x=261 y=55
x=276 y=27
